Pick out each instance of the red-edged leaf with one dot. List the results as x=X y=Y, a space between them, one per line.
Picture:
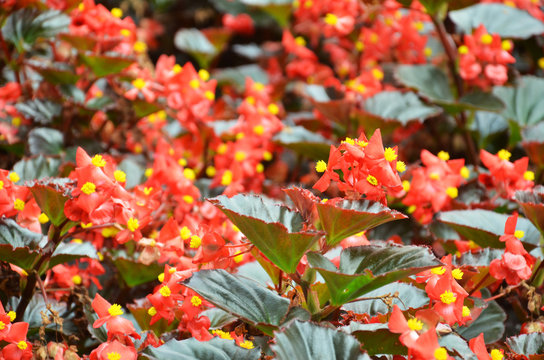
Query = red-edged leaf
x=274 y=229
x=349 y=217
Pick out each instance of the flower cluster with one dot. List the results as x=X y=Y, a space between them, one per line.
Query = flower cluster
x=434 y=185
x=484 y=58
x=362 y=168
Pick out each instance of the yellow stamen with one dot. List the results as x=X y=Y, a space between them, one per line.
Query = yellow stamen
x=115 y=310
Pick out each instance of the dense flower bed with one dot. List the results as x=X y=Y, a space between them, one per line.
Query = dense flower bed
x=364 y=185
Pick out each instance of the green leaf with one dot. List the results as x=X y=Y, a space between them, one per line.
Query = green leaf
x=366 y=268
x=533 y=143
x=484 y=227
x=19 y=246
x=456 y=344
x=273 y=228
x=524 y=106
x=532 y=203
x=482 y=257
x=39 y=110
x=37 y=168
x=56 y=73
x=103 y=65
x=490 y=322
x=135 y=273
x=51 y=197
x=24 y=26
x=428 y=80
x=400 y=107
x=527 y=344
x=303 y=142
x=507 y=21
x=433 y=84
x=408 y=297
x=487 y=126
x=479 y=100
x=45 y=141
x=349 y=217
x=80 y=42
x=135 y=172
x=242 y=297
x=66 y=252
x=142 y=108
x=202 y=47
x=305 y=341
x=218 y=317
x=376 y=338
x=192 y=349
x=236 y=76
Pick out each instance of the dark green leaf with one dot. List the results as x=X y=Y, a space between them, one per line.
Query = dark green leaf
x=24 y=26
x=523 y=103
x=135 y=172
x=307 y=341
x=481 y=257
x=484 y=227
x=367 y=268
x=135 y=273
x=57 y=73
x=490 y=322
x=143 y=108
x=400 y=107
x=80 y=42
x=376 y=338
x=507 y=21
x=192 y=349
x=51 y=201
x=66 y=252
x=236 y=76
x=430 y=81
x=273 y=228
x=304 y=142
x=349 y=217
x=408 y=297
x=45 y=141
x=532 y=203
x=39 y=110
x=242 y=297
x=480 y=100
x=19 y=246
x=103 y=65
x=533 y=143
x=197 y=44
x=486 y=125
x=527 y=344
x=456 y=344
x=218 y=317
x=37 y=168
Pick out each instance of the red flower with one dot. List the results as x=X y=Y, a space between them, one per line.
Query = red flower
x=114 y=350
x=111 y=316
x=19 y=348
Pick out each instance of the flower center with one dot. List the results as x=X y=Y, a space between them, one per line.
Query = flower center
x=441 y=354
x=115 y=310
x=196 y=301
x=448 y=297
x=165 y=291
x=415 y=324
x=88 y=188
x=372 y=180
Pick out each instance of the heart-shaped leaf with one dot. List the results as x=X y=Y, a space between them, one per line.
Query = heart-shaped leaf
x=400 y=107
x=409 y=296
x=366 y=268
x=66 y=252
x=37 y=168
x=481 y=257
x=532 y=203
x=192 y=349
x=304 y=340
x=376 y=338
x=524 y=106
x=40 y=110
x=349 y=217
x=51 y=197
x=303 y=142
x=490 y=322
x=274 y=229
x=19 y=246
x=242 y=297
x=103 y=65
x=530 y=345
x=484 y=227
x=135 y=273
x=507 y=21
x=45 y=141
x=455 y=343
